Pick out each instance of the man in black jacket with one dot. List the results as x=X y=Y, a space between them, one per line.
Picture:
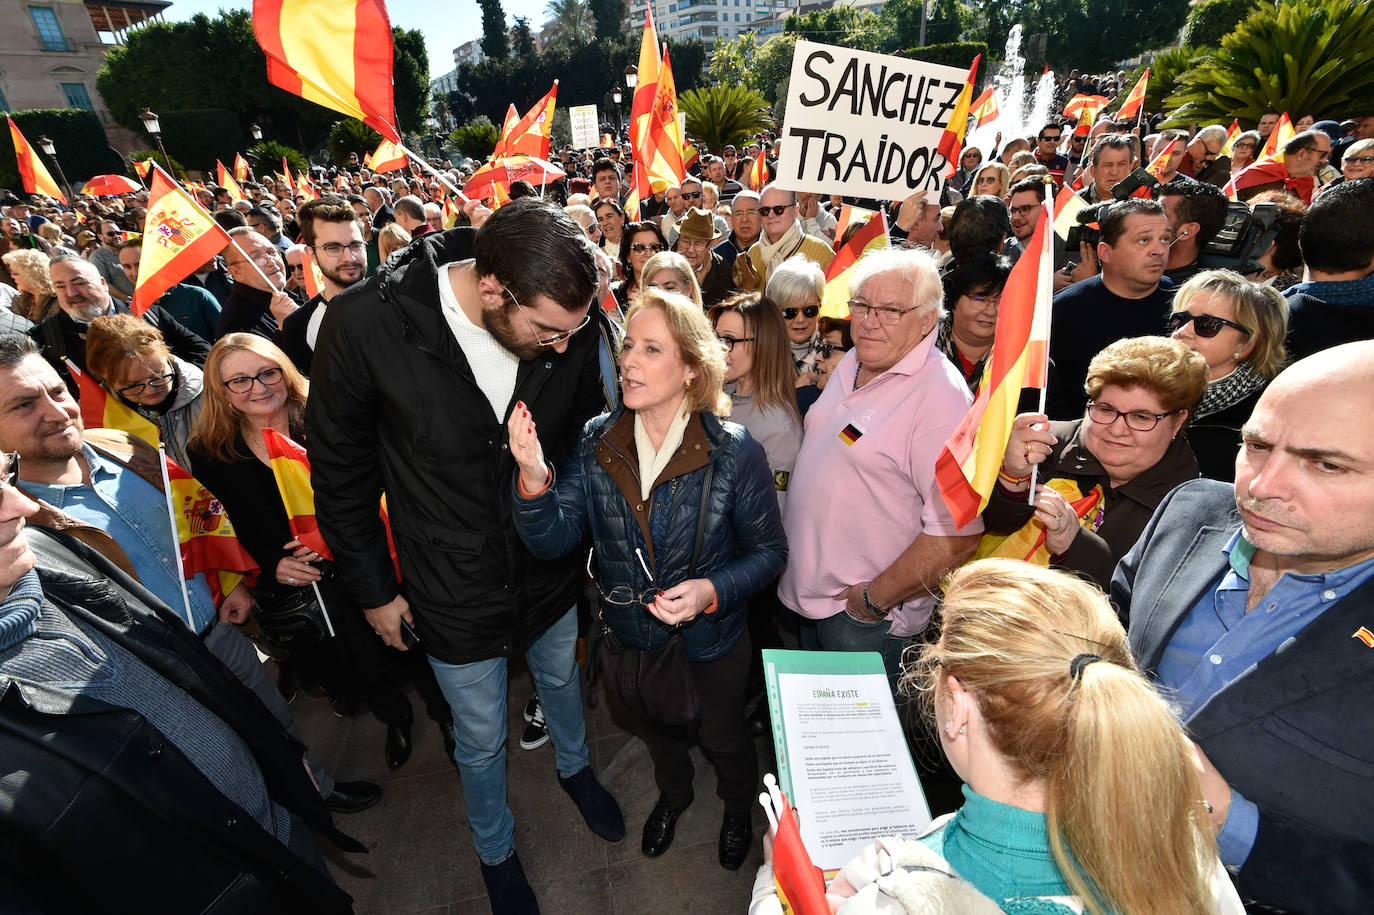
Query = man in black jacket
x=131 y=760
x=84 y=296
x=414 y=377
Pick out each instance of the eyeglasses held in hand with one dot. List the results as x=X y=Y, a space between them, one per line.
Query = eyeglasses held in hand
x=1206 y=326
x=158 y=383
x=1139 y=420
x=810 y=311
x=640 y=247
x=242 y=384
x=859 y=311
x=731 y=341
x=826 y=350
x=555 y=339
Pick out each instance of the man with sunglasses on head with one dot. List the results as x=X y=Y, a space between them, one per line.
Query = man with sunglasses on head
x=781 y=238
x=415 y=375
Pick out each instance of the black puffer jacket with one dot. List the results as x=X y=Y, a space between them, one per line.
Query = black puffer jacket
x=394 y=406
x=742 y=546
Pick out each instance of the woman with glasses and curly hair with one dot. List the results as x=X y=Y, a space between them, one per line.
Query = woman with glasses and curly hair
x=1100 y=478
x=1081 y=793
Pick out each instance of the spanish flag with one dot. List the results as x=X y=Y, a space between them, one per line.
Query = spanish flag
x=142 y=167
x=1131 y=107
x=227 y=182
x=314 y=279
x=799 y=880
x=1232 y=133
x=758 y=172
x=952 y=141
x=207 y=538
x=1159 y=163
x=337 y=54
x=871 y=237
x=32 y=171
x=1085 y=109
x=512 y=118
x=451 y=211
x=240 y=168
x=967 y=467
x=102 y=410
x=529 y=136
x=607 y=141
x=1283 y=132
x=387 y=157
x=178 y=236
x=663 y=140
x=304 y=188
x=1066 y=207
x=985 y=108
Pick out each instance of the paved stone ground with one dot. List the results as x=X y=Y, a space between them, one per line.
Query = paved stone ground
x=421 y=857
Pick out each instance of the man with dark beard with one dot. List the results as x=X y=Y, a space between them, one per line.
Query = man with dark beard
x=329 y=228
x=416 y=373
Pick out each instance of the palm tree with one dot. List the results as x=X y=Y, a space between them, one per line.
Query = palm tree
x=351 y=136
x=718 y=115
x=572 y=21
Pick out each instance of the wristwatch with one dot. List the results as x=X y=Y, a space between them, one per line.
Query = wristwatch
x=881 y=614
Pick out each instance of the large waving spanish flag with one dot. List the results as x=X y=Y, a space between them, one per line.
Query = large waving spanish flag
x=102 y=410
x=952 y=140
x=336 y=53
x=178 y=236
x=967 y=467
x=1131 y=107
x=207 y=538
x=530 y=135
x=871 y=237
x=32 y=171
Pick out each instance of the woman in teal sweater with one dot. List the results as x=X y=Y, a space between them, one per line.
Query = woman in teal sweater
x=1082 y=793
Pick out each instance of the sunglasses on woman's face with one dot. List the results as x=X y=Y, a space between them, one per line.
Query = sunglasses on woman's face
x=809 y=311
x=826 y=350
x=640 y=247
x=1203 y=325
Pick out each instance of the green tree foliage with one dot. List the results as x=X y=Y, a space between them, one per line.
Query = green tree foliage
x=732 y=61
x=351 y=136
x=81 y=145
x=1087 y=34
x=772 y=69
x=410 y=76
x=200 y=136
x=688 y=59
x=1166 y=70
x=573 y=23
x=522 y=39
x=954 y=54
x=839 y=25
x=718 y=115
x=1212 y=20
x=609 y=14
x=266 y=156
x=949 y=21
x=477 y=138
x=495 y=43
x=1303 y=56
x=216 y=63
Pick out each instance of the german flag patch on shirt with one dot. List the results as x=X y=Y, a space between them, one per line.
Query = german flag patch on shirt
x=851 y=434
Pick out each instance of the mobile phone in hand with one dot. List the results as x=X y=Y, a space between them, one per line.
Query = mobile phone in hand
x=408 y=637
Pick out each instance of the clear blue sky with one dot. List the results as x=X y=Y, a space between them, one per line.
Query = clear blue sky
x=459 y=22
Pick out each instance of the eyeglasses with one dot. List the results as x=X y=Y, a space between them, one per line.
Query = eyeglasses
x=1139 y=420
x=860 y=310
x=809 y=311
x=640 y=247
x=1056 y=138
x=156 y=383
x=1025 y=210
x=1203 y=325
x=11 y=475
x=985 y=299
x=262 y=259
x=777 y=210
x=336 y=249
x=556 y=338
x=242 y=384
x=294 y=267
x=731 y=341
x=1363 y=160
x=826 y=350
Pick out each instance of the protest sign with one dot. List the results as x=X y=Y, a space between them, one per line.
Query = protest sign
x=865 y=124
x=584 y=124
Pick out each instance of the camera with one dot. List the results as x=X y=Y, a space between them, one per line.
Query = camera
x=1245 y=235
x=1087 y=230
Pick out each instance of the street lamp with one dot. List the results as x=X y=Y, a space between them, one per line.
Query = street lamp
x=256 y=131
x=51 y=151
x=616 y=97
x=631 y=77
x=150 y=124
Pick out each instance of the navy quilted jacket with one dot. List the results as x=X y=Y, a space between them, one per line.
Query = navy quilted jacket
x=743 y=546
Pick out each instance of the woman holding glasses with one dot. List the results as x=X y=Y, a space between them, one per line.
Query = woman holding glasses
x=685 y=528
x=1099 y=479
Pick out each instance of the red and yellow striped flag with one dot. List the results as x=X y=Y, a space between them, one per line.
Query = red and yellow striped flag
x=102 y=410
x=227 y=182
x=508 y=125
x=451 y=211
x=1131 y=107
x=178 y=237
x=1232 y=133
x=952 y=141
x=663 y=140
x=1158 y=164
x=240 y=168
x=967 y=467
x=337 y=54
x=872 y=237
x=529 y=136
x=207 y=538
x=314 y=279
x=607 y=141
x=142 y=167
x=984 y=108
x=758 y=172
x=1283 y=132
x=387 y=157
x=1085 y=108
x=32 y=171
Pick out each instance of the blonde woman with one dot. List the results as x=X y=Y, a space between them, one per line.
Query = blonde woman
x=1081 y=790
x=29 y=268
x=669 y=271
x=391 y=238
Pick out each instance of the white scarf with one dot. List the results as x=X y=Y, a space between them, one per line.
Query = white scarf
x=774 y=253
x=651 y=460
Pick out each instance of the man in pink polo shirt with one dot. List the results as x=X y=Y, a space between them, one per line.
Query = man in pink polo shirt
x=868 y=535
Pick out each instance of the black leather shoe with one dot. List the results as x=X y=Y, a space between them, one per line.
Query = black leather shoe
x=659 y=828
x=450 y=741
x=398 y=745
x=351 y=797
x=595 y=804
x=736 y=837
x=508 y=891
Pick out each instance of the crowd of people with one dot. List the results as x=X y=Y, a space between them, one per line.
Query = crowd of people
x=632 y=442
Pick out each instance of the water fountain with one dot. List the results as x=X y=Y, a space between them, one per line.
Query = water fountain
x=1016 y=118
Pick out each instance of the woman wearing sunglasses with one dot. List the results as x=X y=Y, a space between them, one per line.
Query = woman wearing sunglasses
x=796 y=285
x=1098 y=479
x=1239 y=328
x=641 y=241
x=129 y=357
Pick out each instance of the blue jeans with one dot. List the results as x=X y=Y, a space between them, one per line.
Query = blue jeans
x=842 y=632
x=477 y=694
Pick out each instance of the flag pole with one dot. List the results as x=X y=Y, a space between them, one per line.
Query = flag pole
x=443 y=178
x=1044 y=277
x=176 y=536
x=329 y=623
